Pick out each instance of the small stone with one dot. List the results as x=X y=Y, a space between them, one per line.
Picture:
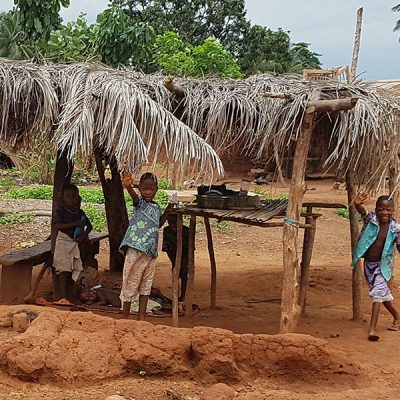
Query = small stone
x=115 y=397
x=220 y=391
x=7 y=322
x=20 y=322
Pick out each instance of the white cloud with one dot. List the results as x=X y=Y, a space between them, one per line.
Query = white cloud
x=328 y=26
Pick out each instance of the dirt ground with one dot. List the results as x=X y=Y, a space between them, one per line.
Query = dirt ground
x=249 y=263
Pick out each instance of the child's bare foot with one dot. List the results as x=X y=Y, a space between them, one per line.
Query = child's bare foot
x=395 y=326
x=373 y=337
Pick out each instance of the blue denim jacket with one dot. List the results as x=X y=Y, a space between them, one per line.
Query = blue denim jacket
x=368 y=236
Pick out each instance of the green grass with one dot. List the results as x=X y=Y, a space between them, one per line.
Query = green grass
x=342 y=212
x=16 y=218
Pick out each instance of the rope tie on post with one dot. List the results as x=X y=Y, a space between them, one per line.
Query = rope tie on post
x=291 y=222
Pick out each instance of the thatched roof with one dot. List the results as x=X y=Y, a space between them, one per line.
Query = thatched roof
x=130 y=115
x=86 y=106
x=236 y=114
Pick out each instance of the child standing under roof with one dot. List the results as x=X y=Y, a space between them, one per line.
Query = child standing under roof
x=73 y=228
x=169 y=245
x=376 y=245
x=140 y=243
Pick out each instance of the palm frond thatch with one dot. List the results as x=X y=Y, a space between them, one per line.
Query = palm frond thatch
x=236 y=115
x=86 y=106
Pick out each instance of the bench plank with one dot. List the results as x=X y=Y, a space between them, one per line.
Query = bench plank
x=40 y=252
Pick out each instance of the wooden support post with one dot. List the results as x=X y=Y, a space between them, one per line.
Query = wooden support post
x=176 y=270
x=357 y=273
x=290 y=307
x=308 y=245
x=356 y=48
x=114 y=202
x=393 y=183
x=190 y=287
x=278 y=166
x=212 y=263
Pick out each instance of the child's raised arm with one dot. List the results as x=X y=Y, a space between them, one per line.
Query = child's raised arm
x=359 y=200
x=127 y=181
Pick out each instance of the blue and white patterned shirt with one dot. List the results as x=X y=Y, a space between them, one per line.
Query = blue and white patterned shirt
x=143 y=229
x=367 y=238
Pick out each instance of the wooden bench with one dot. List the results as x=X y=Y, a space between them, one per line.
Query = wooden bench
x=16 y=268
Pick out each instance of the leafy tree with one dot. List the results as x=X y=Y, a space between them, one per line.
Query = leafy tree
x=14 y=43
x=195 y=20
x=265 y=50
x=39 y=17
x=210 y=58
x=396 y=9
x=302 y=58
x=122 y=40
x=75 y=41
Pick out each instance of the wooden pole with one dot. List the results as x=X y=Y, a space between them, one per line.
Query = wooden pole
x=393 y=183
x=176 y=270
x=116 y=212
x=290 y=306
x=356 y=49
x=308 y=245
x=357 y=273
x=278 y=166
x=212 y=263
x=190 y=287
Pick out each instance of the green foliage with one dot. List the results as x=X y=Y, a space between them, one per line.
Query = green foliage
x=222 y=226
x=16 y=218
x=165 y=184
x=195 y=20
x=6 y=183
x=210 y=58
x=397 y=26
x=28 y=192
x=122 y=40
x=12 y=38
x=265 y=50
x=75 y=41
x=343 y=212
x=40 y=17
x=96 y=216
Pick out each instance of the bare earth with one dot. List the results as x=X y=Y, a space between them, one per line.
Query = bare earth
x=249 y=268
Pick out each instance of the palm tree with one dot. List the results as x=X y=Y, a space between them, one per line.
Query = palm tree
x=396 y=9
x=12 y=38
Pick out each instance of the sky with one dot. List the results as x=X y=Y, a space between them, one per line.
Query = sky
x=328 y=25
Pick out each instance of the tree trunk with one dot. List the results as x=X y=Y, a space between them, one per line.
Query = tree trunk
x=357 y=273
x=290 y=307
x=116 y=213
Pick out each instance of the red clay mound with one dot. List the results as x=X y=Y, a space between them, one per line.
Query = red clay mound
x=72 y=345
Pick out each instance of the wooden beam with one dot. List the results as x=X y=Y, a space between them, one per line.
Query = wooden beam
x=213 y=264
x=333 y=105
x=283 y=96
x=116 y=212
x=176 y=270
x=357 y=273
x=175 y=89
x=190 y=286
x=290 y=306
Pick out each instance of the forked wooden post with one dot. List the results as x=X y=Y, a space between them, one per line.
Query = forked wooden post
x=212 y=263
x=308 y=245
x=176 y=270
x=357 y=273
x=290 y=307
x=190 y=288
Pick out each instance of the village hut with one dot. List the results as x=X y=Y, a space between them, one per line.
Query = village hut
x=88 y=109
x=124 y=117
